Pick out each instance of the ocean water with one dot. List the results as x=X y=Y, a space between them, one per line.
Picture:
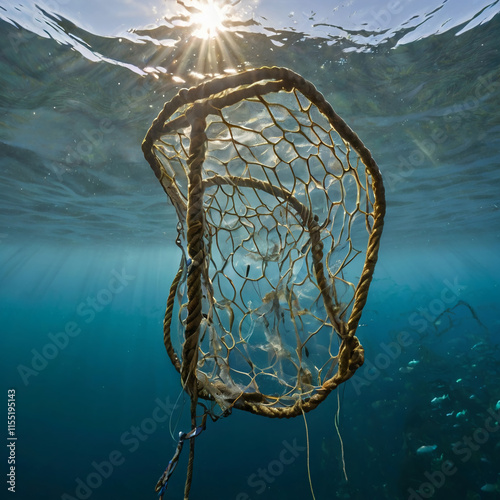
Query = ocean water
x=87 y=246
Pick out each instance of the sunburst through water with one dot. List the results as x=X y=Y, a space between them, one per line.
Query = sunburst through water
x=209 y=17
x=210 y=48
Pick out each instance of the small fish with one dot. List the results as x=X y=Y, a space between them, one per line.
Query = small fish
x=406 y=369
x=479 y=345
x=414 y=362
x=426 y=449
x=440 y=399
x=461 y=414
x=497 y=406
x=490 y=488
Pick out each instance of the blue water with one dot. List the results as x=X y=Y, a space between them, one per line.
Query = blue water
x=86 y=255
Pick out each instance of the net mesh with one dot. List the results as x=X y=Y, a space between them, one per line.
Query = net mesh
x=280 y=210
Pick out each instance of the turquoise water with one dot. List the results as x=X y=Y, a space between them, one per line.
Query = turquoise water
x=86 y=254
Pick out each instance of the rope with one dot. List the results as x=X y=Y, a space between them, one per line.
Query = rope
x=195 y=229
x=167 y=322
x=190 y=466
x=162 y=484
x=281 y=202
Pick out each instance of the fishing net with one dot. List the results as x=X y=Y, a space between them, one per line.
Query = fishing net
x=280 y=210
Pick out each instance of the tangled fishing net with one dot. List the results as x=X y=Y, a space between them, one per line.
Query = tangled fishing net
x=280 y=211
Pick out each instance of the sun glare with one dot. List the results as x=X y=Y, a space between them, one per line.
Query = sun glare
x=209 y=45
x=208 y=20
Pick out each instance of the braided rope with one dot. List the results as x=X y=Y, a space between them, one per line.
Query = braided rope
x=195 y=229
x=167 y=322
x=191 y=108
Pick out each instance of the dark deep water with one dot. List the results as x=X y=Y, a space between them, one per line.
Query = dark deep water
x=87 y=248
